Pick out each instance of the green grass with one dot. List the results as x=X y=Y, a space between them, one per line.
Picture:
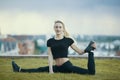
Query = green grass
x=106 y=69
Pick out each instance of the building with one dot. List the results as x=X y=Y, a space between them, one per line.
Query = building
x=26 y=48
x=8 y=46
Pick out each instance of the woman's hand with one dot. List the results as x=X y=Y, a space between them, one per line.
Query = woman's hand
x=94 y=45
x=50 y=61
x=51 y=72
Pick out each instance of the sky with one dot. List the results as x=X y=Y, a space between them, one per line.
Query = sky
x=89 y=17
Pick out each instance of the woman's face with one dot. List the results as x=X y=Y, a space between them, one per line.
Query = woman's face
x=58 y=27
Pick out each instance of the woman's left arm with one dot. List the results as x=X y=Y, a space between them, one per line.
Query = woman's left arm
x=79 y=51
x=75 y=48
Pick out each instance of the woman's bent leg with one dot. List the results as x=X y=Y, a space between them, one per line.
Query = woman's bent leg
x=68 y=67
x=91 y=63
x=79 y=70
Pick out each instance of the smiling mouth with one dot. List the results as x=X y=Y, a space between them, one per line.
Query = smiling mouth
x=57 y=31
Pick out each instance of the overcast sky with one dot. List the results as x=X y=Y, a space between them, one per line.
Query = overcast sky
x=91 y=17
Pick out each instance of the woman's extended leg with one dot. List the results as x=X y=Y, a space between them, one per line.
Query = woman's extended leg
x=16 y=68
x=40 y=69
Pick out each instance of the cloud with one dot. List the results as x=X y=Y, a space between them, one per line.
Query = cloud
x=37 y=23
x=54 y=5
x=80 y=16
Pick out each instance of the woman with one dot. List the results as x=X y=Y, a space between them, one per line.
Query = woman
x=58 y=50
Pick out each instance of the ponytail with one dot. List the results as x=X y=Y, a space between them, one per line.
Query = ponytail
x=66 y=34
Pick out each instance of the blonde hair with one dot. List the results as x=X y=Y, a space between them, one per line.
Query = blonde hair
x=66 y=34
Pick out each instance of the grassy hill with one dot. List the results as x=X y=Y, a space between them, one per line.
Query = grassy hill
x=106 y=69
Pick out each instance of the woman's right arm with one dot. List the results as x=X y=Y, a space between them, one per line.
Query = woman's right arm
x=50 y=60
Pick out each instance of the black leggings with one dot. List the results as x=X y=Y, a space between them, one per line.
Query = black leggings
x=67 y=67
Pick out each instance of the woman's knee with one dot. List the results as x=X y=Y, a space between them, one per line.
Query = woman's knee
x=92 y=73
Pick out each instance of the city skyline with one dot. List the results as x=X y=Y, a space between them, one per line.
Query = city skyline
x=91 y=17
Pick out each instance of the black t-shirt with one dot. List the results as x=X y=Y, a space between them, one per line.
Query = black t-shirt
x=59 y=48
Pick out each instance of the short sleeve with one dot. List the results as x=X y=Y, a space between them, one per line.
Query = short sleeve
x=71 y=41
x=48 y=43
